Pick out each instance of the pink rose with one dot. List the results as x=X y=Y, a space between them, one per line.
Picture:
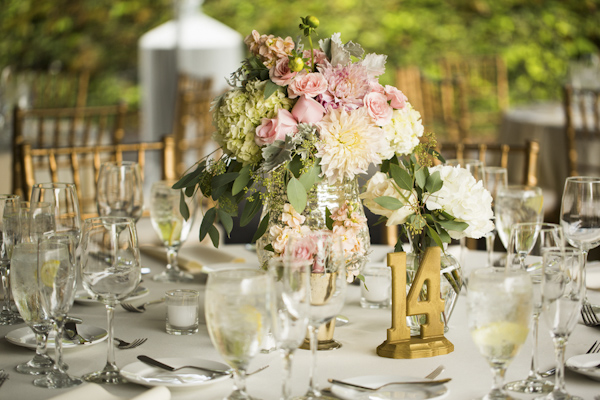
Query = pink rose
x=378 y=108
x=280 y=73
x=398 y=99
x=265 y=132
x=311 y=85
x=276 y=128
x=375 y=86
x=308 y=110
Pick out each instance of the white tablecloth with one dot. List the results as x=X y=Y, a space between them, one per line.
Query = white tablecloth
x=366 y=330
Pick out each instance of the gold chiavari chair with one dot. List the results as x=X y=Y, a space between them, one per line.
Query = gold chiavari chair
x=81 y=165
x=193 y=120
x=582 y=128
x=64 y=127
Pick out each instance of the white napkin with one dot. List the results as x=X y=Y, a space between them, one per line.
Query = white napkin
x=592 y=271
x=195 y=259
x=93 y=391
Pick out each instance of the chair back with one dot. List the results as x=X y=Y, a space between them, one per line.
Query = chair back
x=81 y=164
x=193 y=121
x=582 y=128
x=64 y=127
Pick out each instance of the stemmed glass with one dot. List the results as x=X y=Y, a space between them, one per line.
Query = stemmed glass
x=516 y=204
x=580 y=214
x=290 y=308
x=323 y=250
x=528 y=242
x=120 y=190
x=8 y=204
x=56 y=285
x=237 y=317
x=563 y=291
x=110 y=271
x=499 y=305
x=171 y=227
x=494 y=178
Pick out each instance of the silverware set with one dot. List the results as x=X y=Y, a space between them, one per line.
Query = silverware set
x=589 y=316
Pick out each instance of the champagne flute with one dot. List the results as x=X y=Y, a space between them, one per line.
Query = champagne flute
x=563 y=291
x=8 y=203
x=494 y=178
x=290 y=308
x=120 y=190
x=528 y=242
x=499 y=305
x=580 y=214
x=237 y=317
x=110 y=271
x=515 y=204
x=323 y=250
x=171 y=227
x=56 y=285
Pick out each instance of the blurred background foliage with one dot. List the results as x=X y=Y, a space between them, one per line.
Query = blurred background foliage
x=536 y=38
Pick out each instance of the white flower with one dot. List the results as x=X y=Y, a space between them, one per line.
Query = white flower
x=465 y=199
x=380 y=185
x=403 y=132
x=350 y=142
x=291 y=217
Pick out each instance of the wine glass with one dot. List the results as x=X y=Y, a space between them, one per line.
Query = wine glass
x=580 y=214
x=528 y=242
x=515 y=204
x=8 y=203
x=56 y=285
x=171 y=227
x=120 y=190
x=110 y=271
x=499 y=306
x=563 y=291
x=290 y=308
x=476 y=168
x=237 y=317
x=325 y=254
x=23 y=279
x=494 y=178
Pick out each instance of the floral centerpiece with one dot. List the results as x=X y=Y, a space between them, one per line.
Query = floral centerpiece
x=300 y=120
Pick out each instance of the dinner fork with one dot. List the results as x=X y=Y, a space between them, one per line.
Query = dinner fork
x=123 y=345
x=3 y=376
x=433 y=374
x=589 y=316
x=141 y=308
x=376 y=388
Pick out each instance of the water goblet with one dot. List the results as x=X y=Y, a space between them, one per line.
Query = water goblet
x=528 y=242
x=323 y=250
x=499 y=307
x=580 y=215
x=515 y=204
x=563 y=291
x=237 y=317
x=171 y=227
x=120 y=190
x=290 y=308
x=56 y=284
x=23 y=279
x=494 y=178
x=110 y=271
x=8 y=202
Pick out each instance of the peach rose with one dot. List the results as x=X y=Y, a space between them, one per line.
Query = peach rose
x=280 y=73
x=311 y=84
x=378 y=108
x=308 y=110
x=398 y=99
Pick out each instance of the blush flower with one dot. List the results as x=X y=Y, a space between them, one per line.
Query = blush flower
x=347 y=86
x=280 y=73
x=291 y=217
x=307 y=110
x=311 y=85
x=397 y=99
x=378 y=108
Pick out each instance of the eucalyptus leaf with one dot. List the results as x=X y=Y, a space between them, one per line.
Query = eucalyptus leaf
x=183 y=207
x=207 y=221
x=454 y=225
x=434 y=182
x=250 y=209
x=432 y=233
x=297 y=195
x=213 y=232
x=391 y=203
x=270 y=88
x=328 y=219
x=401 y=177
x=294 y=166
x=223 y=179
x=310 y=177
x=241 y=181
x=262 y=228
x=226 y=221
x=421 y=175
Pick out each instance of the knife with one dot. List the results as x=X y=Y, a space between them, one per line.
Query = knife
x=353 y=385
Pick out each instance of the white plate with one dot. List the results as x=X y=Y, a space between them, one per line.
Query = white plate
x=83 y=297
x=389 y=392
x=144 y=374
x=26 y=338
x=582 y=364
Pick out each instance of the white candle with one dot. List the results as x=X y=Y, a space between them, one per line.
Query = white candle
x=182 y=316
x=379 y=288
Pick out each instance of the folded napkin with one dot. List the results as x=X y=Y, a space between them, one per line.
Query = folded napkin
x=592 y=271
x=194 y=259
x=93 y=391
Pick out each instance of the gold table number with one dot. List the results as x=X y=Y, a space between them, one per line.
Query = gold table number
x=431 y=342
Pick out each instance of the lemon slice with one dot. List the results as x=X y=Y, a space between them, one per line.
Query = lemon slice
x=48 y=272
x=536 y=203
x=500 y=333
x=175 y=231
x=252 y=316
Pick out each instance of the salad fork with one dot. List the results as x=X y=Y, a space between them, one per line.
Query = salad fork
x=141 y=308
x=589 y=316
x=123 y=345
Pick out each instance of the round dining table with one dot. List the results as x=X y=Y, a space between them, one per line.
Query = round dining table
x=366 y=329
